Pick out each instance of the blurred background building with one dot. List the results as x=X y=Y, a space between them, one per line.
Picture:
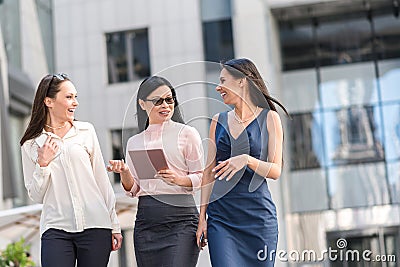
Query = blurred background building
x=334 y=64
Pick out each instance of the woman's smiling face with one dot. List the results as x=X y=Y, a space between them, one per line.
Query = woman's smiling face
x=229 y=87
x=62 y=107
x=158 y=113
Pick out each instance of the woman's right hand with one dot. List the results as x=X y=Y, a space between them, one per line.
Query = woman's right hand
x=201 y=234
x=47 y=152
x=117 y=166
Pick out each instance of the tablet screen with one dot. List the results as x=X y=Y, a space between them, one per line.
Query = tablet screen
x=148 y=162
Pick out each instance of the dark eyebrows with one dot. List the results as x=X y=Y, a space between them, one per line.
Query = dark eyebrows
x=71 y=94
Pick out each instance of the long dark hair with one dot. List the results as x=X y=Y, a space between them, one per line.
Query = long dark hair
x=259 y=95
x=145 y=89
x=49 y=86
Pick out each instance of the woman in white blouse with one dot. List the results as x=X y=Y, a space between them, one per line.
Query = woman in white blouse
x=64 y=169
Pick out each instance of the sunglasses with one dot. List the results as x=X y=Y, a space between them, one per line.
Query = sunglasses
x=59 y=76
x=158 y=101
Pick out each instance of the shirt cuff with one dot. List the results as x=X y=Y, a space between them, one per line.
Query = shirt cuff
x=116 y=229
x=42 y=171
x=133 y=191
x=196 y=180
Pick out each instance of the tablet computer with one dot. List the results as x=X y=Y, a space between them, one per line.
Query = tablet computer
x=148 y=162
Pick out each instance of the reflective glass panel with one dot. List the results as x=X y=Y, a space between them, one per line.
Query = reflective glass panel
x=390 y=79
x=353 y=135
x=300 y=96
x=391 y=118
x=394 y=181
x=358 y=186
x=308 y=191
x=128 y=56
x=345 y=85
x=305 y=139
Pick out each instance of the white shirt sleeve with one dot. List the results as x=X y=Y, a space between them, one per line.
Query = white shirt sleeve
x=100 y=174
x=36 y=178
x=194 y=158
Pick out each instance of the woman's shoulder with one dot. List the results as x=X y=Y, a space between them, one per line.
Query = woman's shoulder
x=186 y=131
x=273 y=120
x=221 y=115
x=28 y=143
x=184 y=127
x=273 y=115
x=134 y=139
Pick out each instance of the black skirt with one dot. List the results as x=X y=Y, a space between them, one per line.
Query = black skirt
x=165 y=231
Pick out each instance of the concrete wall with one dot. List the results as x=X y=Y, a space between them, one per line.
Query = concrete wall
x=175 y=37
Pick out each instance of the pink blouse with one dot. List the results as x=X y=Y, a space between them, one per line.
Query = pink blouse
x=184 y=153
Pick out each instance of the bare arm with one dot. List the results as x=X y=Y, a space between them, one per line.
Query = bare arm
x=207 y=183
x=271 y=169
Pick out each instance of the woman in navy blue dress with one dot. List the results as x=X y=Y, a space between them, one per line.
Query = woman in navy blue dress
x=245 y=149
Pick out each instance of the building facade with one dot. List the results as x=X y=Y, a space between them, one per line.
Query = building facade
x=334 y=64
x=340 y=72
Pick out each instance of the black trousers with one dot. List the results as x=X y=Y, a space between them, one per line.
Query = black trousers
x=165 y=231
x=91 y=247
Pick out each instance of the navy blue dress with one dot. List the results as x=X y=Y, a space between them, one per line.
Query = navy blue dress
x=242 y=223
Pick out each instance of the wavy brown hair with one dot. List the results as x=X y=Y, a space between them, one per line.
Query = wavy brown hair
x=49 y=86
x=259 y=95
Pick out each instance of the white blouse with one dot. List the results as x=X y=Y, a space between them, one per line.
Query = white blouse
x=74 y=188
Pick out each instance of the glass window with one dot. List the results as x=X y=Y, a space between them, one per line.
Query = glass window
x=218 y=40
x=308 y=191
x=45 y=12
x=17 y=128
x=348 y=85
x=387 y=34
x=337 y=39
x=10 y=23
x=394 y=181
x=300 y=91
x=128 y=57
x=391 y=243
x=340 y=84
x=358 y=186
x=119 y=139
x=391 y=118
x=353 y=135
x=212 y=10
x=344 y=40
x=297 y=46
x=305 y=141
x=389 y=79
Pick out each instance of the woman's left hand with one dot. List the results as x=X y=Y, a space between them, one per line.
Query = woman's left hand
x=116 y=241
x=170 y=177
x=228 y=168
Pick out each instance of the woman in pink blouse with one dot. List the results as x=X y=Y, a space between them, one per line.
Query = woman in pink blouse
x=166 y=220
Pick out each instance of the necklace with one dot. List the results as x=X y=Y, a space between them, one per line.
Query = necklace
x=239 y=120
x=56 y=128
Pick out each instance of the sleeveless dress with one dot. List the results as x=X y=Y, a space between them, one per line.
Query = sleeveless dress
x=242 y=223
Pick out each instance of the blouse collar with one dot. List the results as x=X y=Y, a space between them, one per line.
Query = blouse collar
x=158 y=126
